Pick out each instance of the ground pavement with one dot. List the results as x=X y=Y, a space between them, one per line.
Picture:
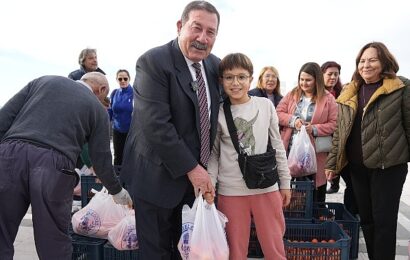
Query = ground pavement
x=25 y=249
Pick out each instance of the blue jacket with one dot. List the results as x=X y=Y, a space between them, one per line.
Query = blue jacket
x=121 y=108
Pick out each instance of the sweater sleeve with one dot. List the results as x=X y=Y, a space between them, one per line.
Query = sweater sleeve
x=100 y=152
x=286 y=118
x=213 y=163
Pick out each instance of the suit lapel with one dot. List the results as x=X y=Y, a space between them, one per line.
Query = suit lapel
x=184 y=78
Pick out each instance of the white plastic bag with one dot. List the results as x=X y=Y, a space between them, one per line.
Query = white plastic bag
x=99 y=216
x=205 y=239
x=302 y=155
x=124 y=235
x=188 y=219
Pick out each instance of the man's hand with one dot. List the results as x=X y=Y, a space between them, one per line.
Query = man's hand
x=200 y=180
x=286 y=195
x=123 y=198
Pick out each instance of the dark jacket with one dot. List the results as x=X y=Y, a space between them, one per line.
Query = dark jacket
x=163 y=142
x=77 y=74
x=385 y=128
x=257 y=92
x=62 y=114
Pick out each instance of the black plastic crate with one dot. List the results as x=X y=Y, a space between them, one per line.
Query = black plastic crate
x=254 y=248
x=301 y=203
x=88 y=182
x=330 y=211
x=87 y=248
x=110 y=253
x=316 y=241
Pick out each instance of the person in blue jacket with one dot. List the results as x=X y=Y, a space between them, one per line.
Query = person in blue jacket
x=120 y=113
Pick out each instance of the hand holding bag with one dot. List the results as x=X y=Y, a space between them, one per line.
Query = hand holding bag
x=124 y=235
x=260 y=170
x=203 y=232
x=302 y=155
x=208 y=236
x=99 y=216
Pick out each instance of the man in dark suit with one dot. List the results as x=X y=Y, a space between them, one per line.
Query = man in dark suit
x=162 y=165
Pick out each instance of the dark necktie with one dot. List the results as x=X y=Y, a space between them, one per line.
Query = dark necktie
x=203 y=116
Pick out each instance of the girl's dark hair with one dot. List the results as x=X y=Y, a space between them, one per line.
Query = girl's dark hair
x=332 y=64
x=313 y=69
x=389 y=64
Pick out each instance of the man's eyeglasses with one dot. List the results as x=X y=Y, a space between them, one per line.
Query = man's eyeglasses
x=242 y=78
x=122 y=79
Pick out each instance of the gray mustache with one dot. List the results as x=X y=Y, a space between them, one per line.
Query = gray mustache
x=199 y=45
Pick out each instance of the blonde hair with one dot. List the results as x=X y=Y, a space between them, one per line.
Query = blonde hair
x=276 y=91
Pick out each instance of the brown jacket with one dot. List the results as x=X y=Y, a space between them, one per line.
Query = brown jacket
x=385 y=125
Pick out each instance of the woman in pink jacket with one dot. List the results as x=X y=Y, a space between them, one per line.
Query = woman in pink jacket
x=311 y=105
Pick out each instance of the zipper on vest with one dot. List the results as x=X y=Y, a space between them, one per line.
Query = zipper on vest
x=379 y=136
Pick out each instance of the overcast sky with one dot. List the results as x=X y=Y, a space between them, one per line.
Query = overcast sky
x=41 y=37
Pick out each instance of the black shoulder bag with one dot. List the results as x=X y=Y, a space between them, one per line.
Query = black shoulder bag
x=260 y=170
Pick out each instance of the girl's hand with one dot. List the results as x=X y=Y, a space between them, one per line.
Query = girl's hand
x=309 y=128
x=298 y=124
x=286 y=195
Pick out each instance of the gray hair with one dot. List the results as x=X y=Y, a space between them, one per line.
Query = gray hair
x=84 y=53
x=199 y=5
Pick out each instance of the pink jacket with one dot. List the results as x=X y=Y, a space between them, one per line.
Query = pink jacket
x=324 y=119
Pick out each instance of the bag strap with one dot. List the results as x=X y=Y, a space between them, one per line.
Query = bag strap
x=233 y=133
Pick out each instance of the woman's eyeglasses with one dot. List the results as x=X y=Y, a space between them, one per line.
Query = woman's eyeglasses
x=122 y=79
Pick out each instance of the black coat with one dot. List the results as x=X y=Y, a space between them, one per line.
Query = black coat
x=163 y=142
x=261 y=93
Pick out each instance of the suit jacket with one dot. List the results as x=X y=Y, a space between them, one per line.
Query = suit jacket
x=324 y=119
x=163 y=142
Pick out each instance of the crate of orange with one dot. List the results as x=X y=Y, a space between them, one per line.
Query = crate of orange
x=316 y=241
x=301 y=203
x=330 y=211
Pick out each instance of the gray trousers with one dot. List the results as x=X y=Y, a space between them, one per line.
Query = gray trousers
x=30 y=174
